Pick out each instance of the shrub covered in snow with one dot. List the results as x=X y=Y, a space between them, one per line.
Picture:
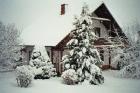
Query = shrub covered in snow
x=43 y=68
x=45 y=72
x=90 y=71
x=93 y=74
x=96 y=79
x=131 y=71
x=70 y=77
x=24 y=75
x=122 y=60
x=128 y=62
x=96 y=76
x=125 y=57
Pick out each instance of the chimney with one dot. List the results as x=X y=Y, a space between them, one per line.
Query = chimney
x=63 y=9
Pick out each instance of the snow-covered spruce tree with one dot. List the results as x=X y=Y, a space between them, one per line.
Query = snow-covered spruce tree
x=43 y=67
x=83 y=56
x=9 y=46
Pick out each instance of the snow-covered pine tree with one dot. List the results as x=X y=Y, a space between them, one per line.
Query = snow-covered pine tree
x=83 y=56
x=43 y=67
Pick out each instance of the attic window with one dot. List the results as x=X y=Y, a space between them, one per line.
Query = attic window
x=97 y=31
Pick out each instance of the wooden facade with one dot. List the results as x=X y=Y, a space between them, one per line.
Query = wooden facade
x=109 y=33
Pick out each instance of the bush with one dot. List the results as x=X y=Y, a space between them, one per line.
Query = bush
x=131 y=71
x=96 y=76
x=96 y=79
x=70 y=77
x=43 y=67
x=24 y=76
x=44 y=72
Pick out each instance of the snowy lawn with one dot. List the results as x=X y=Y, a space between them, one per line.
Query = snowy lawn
x=112 y=84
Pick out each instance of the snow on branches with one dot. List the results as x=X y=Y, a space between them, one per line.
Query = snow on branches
x=9 y=49
x=131 y=71
x=70 y=77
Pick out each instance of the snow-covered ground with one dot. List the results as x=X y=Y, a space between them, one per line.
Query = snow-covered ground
x=112 y=84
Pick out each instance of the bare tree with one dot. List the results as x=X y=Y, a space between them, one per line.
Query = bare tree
x=9 y=41
x=132 y=32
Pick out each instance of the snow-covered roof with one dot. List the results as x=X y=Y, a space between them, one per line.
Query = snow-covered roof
x=52 y=27
x=102 y=19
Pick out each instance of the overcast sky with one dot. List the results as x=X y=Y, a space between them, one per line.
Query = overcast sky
x=24 y=13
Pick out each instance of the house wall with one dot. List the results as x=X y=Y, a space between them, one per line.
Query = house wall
x=103 y=34
x=106 y=56
x=65 y=52
x=97 y=23
x=57 y=59
x=49 y=52
x=26 y=54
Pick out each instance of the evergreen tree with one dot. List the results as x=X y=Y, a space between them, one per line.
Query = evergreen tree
x=83 y=56
x=40 y=61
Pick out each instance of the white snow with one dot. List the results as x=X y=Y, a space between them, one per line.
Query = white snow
x=69 y=75
x=112 y=84
x=101 y=19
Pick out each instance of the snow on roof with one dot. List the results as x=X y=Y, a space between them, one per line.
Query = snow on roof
x=52 y=27
x=101 y=19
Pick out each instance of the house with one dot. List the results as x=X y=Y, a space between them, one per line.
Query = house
x=106 y=28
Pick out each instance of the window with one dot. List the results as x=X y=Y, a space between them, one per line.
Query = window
x=30 y=53
x=97 y=31
x=102 y=55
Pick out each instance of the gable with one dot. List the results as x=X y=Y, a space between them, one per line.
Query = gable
x=103 y=12
x=104 y=19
